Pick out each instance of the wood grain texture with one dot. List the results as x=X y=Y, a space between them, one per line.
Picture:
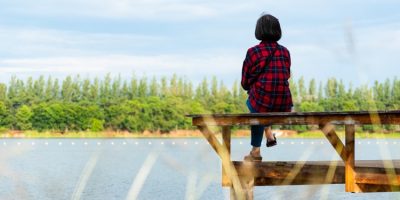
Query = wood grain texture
x=350 y=174
x=358 y=176
x=333 y=138
x=226 y=143
x=297 y=118
x=369 y=172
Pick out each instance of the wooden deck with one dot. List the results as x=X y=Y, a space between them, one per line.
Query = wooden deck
x=358 y=176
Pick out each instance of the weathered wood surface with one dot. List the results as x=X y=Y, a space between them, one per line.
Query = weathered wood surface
x=371 y=174
x=298 y=118
x=358 y=176
x=333 y=138
x=350 y=173
x=226 y=143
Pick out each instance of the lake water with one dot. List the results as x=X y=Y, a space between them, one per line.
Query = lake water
x=169 y=169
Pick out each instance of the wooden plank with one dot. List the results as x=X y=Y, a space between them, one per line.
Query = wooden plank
x=333 y=138
x=277 y=173
x=295 y=118
x=317 y=114
x=369 y=173
x=378 y=188
x=378 y=179
x=381 y=179
x=226 y=143
x=350 y=173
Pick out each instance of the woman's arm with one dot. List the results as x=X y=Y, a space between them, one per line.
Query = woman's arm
x=247 y=76
x=289 y=62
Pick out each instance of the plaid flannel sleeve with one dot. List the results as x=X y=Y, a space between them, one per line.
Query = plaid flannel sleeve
x=247 y=75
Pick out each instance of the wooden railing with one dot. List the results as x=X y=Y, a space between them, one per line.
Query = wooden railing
x=366 y=176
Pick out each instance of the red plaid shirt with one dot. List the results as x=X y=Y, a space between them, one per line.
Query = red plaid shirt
x=267 y=86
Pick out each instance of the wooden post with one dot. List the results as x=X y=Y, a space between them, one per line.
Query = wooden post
x=350 y=174
x=226 y=143
x=226 y=163
x=247 y=183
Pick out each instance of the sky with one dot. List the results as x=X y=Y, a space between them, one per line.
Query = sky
x=356 y=41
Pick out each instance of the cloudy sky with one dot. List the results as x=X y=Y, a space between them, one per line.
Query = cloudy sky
x=357 y=41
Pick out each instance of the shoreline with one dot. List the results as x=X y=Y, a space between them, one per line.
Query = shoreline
x=179 y=134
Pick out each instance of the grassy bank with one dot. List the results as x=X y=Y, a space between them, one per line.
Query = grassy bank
x=177 y=134
x=90 y=134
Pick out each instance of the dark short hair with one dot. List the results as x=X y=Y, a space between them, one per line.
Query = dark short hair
x=268 y=28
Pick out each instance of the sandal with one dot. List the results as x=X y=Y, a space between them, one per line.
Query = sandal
x=271 y=143
x=251 y=158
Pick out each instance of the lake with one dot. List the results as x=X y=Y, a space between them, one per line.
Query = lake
x=170 y=169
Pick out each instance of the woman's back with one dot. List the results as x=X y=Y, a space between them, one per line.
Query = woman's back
x=267 y=83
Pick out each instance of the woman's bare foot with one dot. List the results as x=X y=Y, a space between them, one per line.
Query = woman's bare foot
x=271 y=139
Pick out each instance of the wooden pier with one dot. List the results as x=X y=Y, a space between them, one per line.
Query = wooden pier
x=358 y=176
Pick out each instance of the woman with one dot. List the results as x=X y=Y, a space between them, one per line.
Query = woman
x=265 y=74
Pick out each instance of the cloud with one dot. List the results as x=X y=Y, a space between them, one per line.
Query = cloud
x=38 y=42
x=202 y=38
x=358 y=53
x=138 y=9
x=161 y=10
x=323 y=56
x=227 y=67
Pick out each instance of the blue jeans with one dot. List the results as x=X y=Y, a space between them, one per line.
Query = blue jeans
x=257 y=131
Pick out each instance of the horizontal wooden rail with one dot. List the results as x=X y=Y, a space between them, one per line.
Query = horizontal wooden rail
x=297 y=118
x=371 y=174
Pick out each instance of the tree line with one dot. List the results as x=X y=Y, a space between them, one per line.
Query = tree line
x=112 y=103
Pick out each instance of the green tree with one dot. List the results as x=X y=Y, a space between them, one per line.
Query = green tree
x=116 y=88
x=153 y=87
x=105 y=88
x=308 y=106
x=66 y=89
x=125 y=90
x=142 y=90
x=295 y=93
x=320 y=93
x=214 y=87
x=164 y=87
x=48 y=94
x=312 y=90
x=133 y=87
x=188 y=90
x=23 y=117
x=94 y=90
x=174 y=85
x=56 y=90
x=3 y=92
x=302 y=89
x=96 y=124
x=4 y=115
x=86 y=90
x=396 y=93
x=38 y=87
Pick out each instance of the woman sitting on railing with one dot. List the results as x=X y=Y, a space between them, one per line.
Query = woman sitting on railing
x=265 y=74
